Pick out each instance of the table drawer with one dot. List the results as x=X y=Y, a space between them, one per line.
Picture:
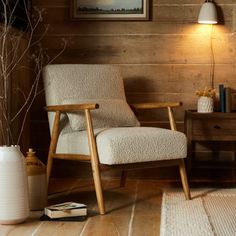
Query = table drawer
x=214 y=128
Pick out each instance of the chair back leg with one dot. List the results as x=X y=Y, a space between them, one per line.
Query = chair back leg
x=182 y=168
x=49 y=167
x=184 y=179
x=123 y=178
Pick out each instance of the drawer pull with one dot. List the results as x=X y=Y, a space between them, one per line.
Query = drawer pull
x=217 y=127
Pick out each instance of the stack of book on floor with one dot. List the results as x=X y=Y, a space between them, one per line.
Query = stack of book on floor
x=225 y=98
x=67 y=211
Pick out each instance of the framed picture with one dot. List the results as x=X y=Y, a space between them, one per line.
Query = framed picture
x=110 y=9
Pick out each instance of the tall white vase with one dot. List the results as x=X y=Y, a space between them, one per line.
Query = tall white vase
x=14 y=203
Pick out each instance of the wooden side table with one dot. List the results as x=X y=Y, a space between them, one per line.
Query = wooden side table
x=216 y=126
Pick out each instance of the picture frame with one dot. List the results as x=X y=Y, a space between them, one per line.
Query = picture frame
x=110 y=10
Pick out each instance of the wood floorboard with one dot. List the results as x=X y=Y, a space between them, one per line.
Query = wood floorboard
x=132 y=210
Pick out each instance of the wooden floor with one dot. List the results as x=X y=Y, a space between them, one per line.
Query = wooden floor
x=131 y=210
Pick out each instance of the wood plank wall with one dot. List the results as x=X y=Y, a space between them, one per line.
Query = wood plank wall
x=164 y=59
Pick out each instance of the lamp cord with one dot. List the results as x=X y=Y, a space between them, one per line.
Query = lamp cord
x=212 y=73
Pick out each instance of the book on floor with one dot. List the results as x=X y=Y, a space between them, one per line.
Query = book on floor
x=66 y=209
x=73 y=218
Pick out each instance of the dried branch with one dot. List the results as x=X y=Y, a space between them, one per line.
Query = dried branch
x=11 y=57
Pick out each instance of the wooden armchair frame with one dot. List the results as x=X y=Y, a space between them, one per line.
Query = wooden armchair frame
x=93 y=157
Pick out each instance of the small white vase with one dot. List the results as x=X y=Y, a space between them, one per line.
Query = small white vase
x=14 y=201
x=205 y=104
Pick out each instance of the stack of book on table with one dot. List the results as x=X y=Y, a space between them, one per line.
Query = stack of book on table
x=225 y=98
x=67 y=211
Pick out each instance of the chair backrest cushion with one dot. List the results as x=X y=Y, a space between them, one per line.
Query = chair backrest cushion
x=111 y=113
x=81 y=83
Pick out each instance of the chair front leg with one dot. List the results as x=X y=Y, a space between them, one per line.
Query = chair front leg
x=95 y=163
x=53 y=144
x=184 y=179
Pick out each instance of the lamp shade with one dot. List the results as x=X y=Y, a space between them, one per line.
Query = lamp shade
x=208 y=14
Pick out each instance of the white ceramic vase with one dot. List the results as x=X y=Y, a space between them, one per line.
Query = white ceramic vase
x=14 y=201
x=205 y=104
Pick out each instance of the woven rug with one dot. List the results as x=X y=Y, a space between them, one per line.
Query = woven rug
x=211 y=212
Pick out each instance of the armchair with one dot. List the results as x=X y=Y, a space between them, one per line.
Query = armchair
x=90 y=121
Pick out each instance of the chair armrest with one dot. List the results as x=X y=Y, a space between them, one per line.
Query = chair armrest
x=58 y=109
x=155 y=105
x=72 y=107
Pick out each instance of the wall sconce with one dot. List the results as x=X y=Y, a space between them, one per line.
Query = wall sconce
x=208 y=13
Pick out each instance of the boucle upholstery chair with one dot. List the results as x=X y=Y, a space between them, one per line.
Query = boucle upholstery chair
x=108 y=137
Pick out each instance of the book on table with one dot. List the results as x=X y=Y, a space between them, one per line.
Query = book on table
x=66 y=209
x=222 y=97
x=228 y=102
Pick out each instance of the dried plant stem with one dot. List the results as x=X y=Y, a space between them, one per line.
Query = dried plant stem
x=11 y=56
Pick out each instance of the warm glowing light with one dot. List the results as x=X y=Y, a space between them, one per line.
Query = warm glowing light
x=209 y=22
x=200 y=30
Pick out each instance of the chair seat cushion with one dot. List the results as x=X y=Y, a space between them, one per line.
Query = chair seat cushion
x=128 y=145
